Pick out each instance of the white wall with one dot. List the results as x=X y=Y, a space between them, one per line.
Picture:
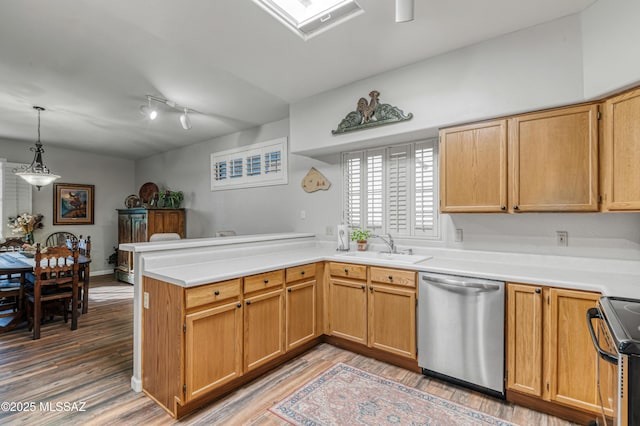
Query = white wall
x=530 y=69
x=610 y=38
x=113 y=179
x=248 y=210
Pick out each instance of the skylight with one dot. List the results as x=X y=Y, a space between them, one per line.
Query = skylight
x=308 y=18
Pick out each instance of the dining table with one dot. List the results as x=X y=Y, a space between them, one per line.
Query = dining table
x=23 y=263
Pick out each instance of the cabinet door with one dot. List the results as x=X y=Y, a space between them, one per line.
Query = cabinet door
x=301 y=313
x=524 y=339
x=621 y=152
x=138 y=227
x=168 y=220
x=392 y=320
x=554 y=160
x=124 y=236
x=348 y=310
x=213 y=348
x=473 y=168
x=263 y=328
x=572 y=358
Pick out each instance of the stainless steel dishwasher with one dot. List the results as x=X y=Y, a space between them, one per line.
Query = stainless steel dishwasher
x=461 y=331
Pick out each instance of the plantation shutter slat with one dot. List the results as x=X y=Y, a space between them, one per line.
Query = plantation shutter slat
x=353 y=180
x=398 y=206
x=375 y=190
x=424 y=188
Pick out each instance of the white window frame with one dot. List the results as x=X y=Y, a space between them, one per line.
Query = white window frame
x=356 y=191
x=272 y=169
x=15 y=195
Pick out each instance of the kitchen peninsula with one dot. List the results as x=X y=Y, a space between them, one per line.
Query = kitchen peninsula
x=190 y=264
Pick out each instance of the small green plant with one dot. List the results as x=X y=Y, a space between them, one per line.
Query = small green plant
x=359 y=234
x=171 y=199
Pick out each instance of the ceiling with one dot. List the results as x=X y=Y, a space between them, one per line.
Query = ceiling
x=91 y=63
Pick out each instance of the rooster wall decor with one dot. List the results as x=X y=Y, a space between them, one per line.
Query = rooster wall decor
x=370 y=114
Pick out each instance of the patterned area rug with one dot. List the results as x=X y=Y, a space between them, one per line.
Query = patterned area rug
x=344 y=395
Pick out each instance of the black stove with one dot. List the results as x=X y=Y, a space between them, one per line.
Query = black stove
x=623 y=317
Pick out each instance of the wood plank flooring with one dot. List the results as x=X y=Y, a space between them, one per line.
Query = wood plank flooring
x=93 y=365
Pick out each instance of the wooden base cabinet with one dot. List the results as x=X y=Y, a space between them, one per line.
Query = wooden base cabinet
x=213 y=348
x=549 y=350
x=300 y=306
x=375 y=309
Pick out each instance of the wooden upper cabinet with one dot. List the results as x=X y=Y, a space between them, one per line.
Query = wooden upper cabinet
x=621 y=153
x=554 y=160
x=473 y=168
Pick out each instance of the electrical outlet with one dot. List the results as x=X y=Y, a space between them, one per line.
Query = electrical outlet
x=562 y=237
x=145 y=301
x=458 y=235
x=329 y=230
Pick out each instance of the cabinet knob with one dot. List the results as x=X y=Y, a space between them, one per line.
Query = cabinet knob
x=363 y=287
x=266 y=281
x=289 y=289
x=248 y=302
x=516 y=207
x=239 y=305
x=217 y=292
x=346 y=271
x=302 y=273
x=537 y=291
x=371 y=288
x=390 y=277
x=503 y=208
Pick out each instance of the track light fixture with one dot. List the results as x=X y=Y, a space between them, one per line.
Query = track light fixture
x=151 y=112
x=404 y=10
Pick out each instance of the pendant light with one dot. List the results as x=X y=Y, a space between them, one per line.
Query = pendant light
x=37 y=174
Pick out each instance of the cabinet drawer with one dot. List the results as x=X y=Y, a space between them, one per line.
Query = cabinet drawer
x=300 y=272
x=261 y=281
x=210 y=293
x=393 y=276
x=348 y=270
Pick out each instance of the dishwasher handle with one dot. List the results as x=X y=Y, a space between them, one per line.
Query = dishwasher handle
x=483 y=286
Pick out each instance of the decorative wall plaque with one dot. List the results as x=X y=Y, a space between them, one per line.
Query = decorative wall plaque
x=315 y=181
x=371 y=114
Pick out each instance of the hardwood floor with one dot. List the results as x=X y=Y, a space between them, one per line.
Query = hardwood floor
x=92 y=367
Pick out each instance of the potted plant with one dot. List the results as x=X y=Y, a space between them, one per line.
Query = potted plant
x=171 y=199
x=361 y=236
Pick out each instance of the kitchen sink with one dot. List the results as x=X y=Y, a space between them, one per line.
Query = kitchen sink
x=395 y=257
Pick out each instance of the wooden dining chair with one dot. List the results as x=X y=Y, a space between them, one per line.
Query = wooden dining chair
x=55 y=286
x=58 y=239
x=84 y=249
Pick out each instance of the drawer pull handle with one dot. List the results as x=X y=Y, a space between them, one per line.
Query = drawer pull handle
x=390 y=277
x=266 y=281
x=289 y=289
x=217 y=292
x=239 y=305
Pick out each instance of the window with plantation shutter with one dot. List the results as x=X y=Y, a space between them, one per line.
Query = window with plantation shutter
x=392 y=190
x=259 y=164
x=15 y=195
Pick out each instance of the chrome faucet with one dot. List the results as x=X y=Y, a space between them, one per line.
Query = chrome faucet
x=389 y=243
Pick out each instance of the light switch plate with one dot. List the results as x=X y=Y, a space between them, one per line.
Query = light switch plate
x=458 y=235
x=145 y=300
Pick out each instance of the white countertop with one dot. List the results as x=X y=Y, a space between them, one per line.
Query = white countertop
x=610 y=277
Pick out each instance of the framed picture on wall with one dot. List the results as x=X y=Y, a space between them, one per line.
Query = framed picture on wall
x=73 y=204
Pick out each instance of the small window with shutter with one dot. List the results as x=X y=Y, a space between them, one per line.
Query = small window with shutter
x=260 y=164
x=15 y=195
x=392 y=190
